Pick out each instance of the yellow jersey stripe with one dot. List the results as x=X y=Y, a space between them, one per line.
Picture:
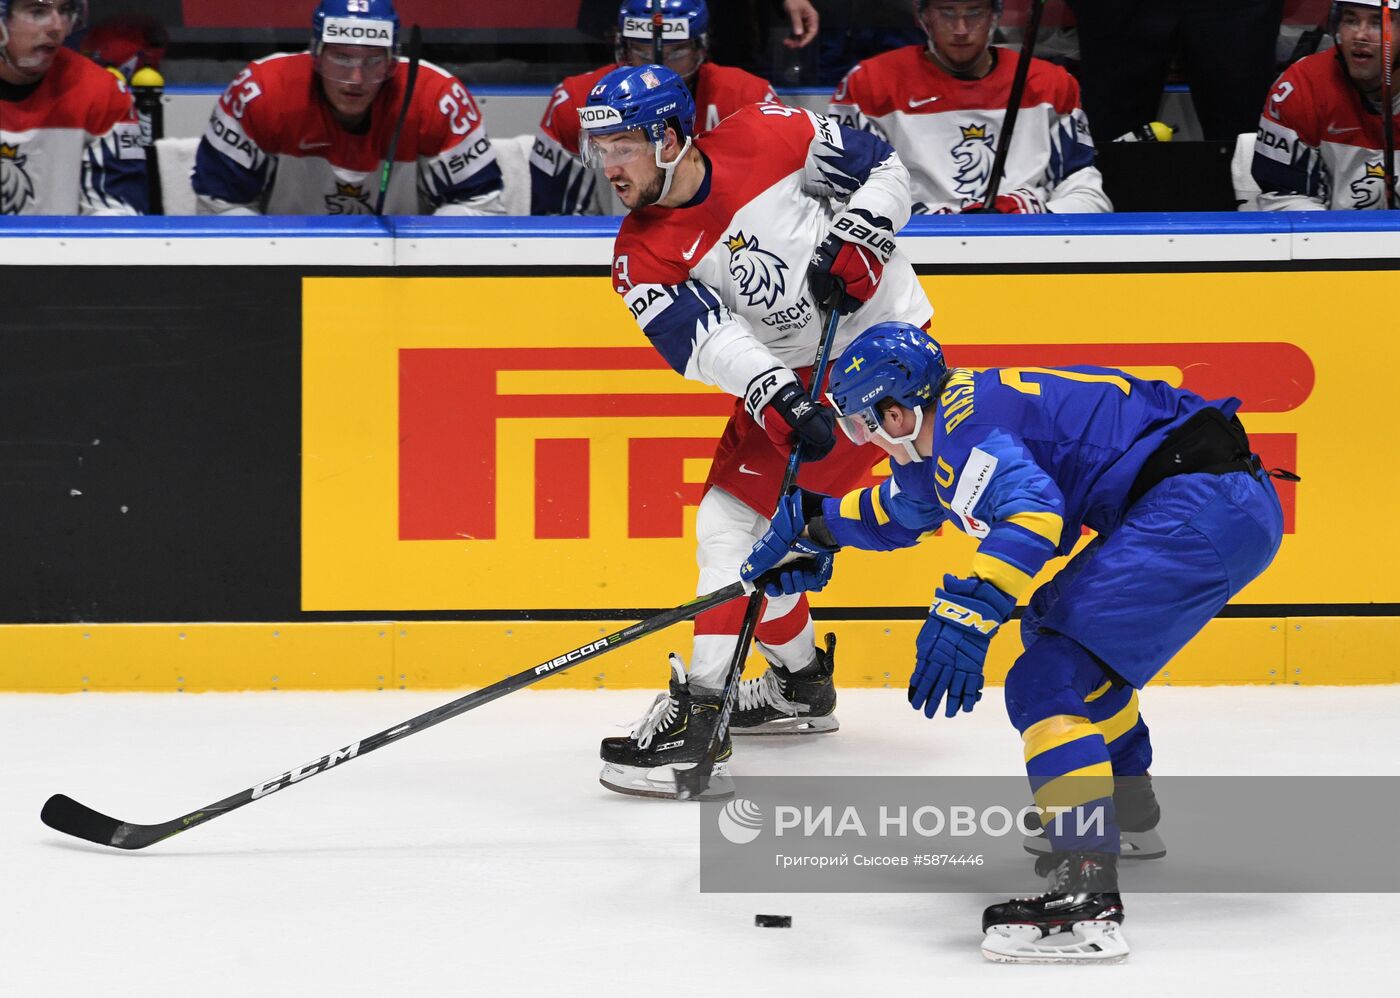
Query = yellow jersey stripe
x=1047 y=525
x=1099 y=692
x=881 y=517
x=1120 y=723
x=1055 y=731
x=850 y=505
x=1078 y=786
x=1008 y=578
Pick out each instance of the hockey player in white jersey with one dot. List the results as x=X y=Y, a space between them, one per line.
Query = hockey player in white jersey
x=942 y=107
x=69 y=139
x=735 y=243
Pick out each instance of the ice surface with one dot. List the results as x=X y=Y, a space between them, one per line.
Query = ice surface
x=483 y=858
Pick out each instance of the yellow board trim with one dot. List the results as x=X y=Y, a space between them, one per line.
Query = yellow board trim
x=1055 y=731
x=445 y=655
x=1008 y=578
x=1047 y=525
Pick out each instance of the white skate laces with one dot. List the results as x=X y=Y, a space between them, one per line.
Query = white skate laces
x=663 y=709
x=767 y=691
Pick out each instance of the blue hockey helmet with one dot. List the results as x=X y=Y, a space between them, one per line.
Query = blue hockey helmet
x=683 y=39
x=355 y=22
x=647 y=99
x=681 y=20
x=79 y=15
x=371 y=23
x=890 y=360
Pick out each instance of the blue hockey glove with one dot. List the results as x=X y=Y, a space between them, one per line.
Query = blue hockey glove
x=952 y=644
x=811 y=571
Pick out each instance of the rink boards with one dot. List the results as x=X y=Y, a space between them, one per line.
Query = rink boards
x=374 y=455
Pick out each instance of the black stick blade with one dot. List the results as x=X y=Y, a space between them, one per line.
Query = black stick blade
x=64 y=814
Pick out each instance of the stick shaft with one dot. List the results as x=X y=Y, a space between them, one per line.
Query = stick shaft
x=1387 y=108
x=68 y=816
x=690 y=783
x=415 y=52
x=1013 y=106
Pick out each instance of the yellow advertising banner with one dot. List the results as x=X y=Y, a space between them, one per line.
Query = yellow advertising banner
x=507 y=443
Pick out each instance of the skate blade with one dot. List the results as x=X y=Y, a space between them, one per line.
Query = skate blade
x=1133 y=845
x=1084 y=942
x=660 y=782
x=798 y=725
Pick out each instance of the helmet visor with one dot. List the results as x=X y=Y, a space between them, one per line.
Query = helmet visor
x=355 y=64
x=682 y=58
x=614 y=149
x=860 y=427
x=866 y=425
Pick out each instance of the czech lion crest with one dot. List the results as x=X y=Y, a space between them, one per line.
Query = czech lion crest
x=348 y=199
x=973 y=158
x=16 y=187
x=757 y=272
x=1367 y=191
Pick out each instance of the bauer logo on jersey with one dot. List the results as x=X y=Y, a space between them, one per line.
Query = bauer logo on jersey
x=973 y=158
x=16 y=187
x=757 y=273
x=357 y=31
x=348 y=199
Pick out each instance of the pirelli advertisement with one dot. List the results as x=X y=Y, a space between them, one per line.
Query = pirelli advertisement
x=264 y=477
x=457 y=456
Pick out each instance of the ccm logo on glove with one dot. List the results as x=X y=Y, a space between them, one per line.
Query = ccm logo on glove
x=949 y=610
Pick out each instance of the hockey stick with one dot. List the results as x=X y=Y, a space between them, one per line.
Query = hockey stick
x=415 y=53
x=691 y=783
x=1387 y=110
x=1013 y=109
x=66 y=815
x=658 y=33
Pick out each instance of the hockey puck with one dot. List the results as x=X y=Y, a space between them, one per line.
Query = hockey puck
x=773 y=921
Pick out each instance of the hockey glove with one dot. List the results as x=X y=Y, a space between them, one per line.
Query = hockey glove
x=811 y=571
x=1021 y=201
x=789 y=416
x=952 y=644
x=848 y=264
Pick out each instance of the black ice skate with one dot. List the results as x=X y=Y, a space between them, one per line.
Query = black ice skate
x=1136 y=807
x=674 y=733
x=789 y=703
x=1079 y=920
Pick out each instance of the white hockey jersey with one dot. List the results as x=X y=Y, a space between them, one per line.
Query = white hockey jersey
x=719 y=285
x=946 y=129
x=70 y=144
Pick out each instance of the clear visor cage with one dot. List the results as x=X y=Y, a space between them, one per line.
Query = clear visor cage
x=355 y=51
x=865 y=425
x=621 y=147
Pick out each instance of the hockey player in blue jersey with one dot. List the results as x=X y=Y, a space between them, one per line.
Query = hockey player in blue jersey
x=1022 y=458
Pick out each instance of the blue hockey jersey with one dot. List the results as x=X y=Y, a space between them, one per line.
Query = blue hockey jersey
x=1023 y=457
